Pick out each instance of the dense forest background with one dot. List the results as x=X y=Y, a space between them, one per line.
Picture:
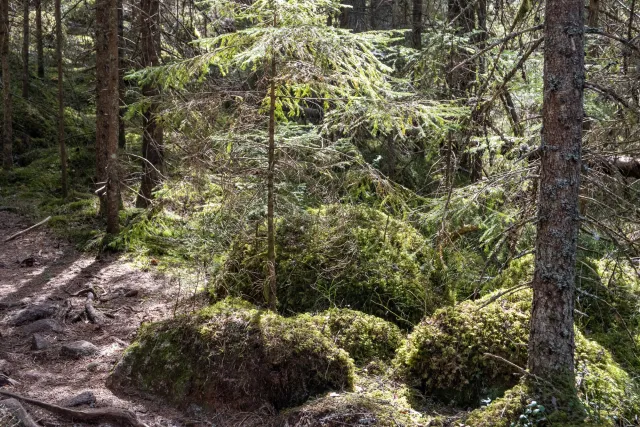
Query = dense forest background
x=355 y=188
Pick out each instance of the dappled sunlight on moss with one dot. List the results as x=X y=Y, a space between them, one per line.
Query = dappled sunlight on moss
x=344 y=256
x=365 y=337
x=235 y=355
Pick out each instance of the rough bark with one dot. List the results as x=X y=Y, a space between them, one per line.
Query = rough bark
x=416 y=33
x=152 y=133
x=61 y=142
x=7 y=129
x=551 y=343
x=39 y=46
x=25 y=49
x=107 y=110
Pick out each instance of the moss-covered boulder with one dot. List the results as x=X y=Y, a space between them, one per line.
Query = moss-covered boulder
x=365 y=337
x=339 y=256
x=445 y=355
x=233 y=355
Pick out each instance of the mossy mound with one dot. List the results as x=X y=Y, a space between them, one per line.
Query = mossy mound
x=378 y=401
x=365 y=337
x=445 y=353
x=445 y=356
x=233 y=355
x=339 y=256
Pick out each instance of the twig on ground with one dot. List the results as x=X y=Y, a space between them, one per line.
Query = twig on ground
x=20 y=233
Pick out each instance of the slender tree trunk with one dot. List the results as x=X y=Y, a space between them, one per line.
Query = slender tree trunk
x=416 y=35
x=354 y=18
x=594 y=13
x=25 y=49
x=152 y=133
x=270 y=291
x=107 y=110
x=61 y=142
x=39 y=47
x=632 y=11
x=122 y=141
x=7 y=129
x=551 y=343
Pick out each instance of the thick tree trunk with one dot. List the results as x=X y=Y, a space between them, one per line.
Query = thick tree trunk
x=7 y=129
x=39 y=46
x=107 y=110
x=416 y=34
x=61 y=142
x=25 y=49
x=551 y=343
x=152 y=133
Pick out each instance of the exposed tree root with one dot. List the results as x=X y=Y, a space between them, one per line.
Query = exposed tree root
x=16 y=410
x=113 y=415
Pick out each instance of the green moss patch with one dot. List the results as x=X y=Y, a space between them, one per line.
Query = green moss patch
x=445 y=353
x=339 y=256
x=365 y=337
x=377 y=401
x=445 y=356
x=234 y=355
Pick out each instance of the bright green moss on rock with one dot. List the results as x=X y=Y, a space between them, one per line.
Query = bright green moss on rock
x=365 y=337
x=235 y=355
x=445 y=353
x=339 y=256
x=445 y=356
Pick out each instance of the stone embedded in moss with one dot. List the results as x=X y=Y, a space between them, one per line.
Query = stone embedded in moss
x=365 y=337
x=444 y=355
x=340 y=256
x=235 y=355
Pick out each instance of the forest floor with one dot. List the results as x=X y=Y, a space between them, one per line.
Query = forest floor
x=39 y=270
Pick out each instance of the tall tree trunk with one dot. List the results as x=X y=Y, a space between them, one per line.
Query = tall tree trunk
x=354 y=17
x=122 y=141
x=25 y=49
x=416 y=34
x=39 y=47
x=61 y=142
x=7 y=129
x=107 y=110
x=551 y=343
x=270 y=285
x=381 y=14
x=152 y=133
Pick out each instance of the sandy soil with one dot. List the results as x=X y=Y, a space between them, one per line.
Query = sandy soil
x=39 y=268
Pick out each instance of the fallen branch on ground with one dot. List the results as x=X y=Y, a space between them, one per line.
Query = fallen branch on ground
x=114 y=415
x=20 y=233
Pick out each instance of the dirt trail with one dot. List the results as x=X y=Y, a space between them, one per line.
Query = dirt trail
x=39 y=268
